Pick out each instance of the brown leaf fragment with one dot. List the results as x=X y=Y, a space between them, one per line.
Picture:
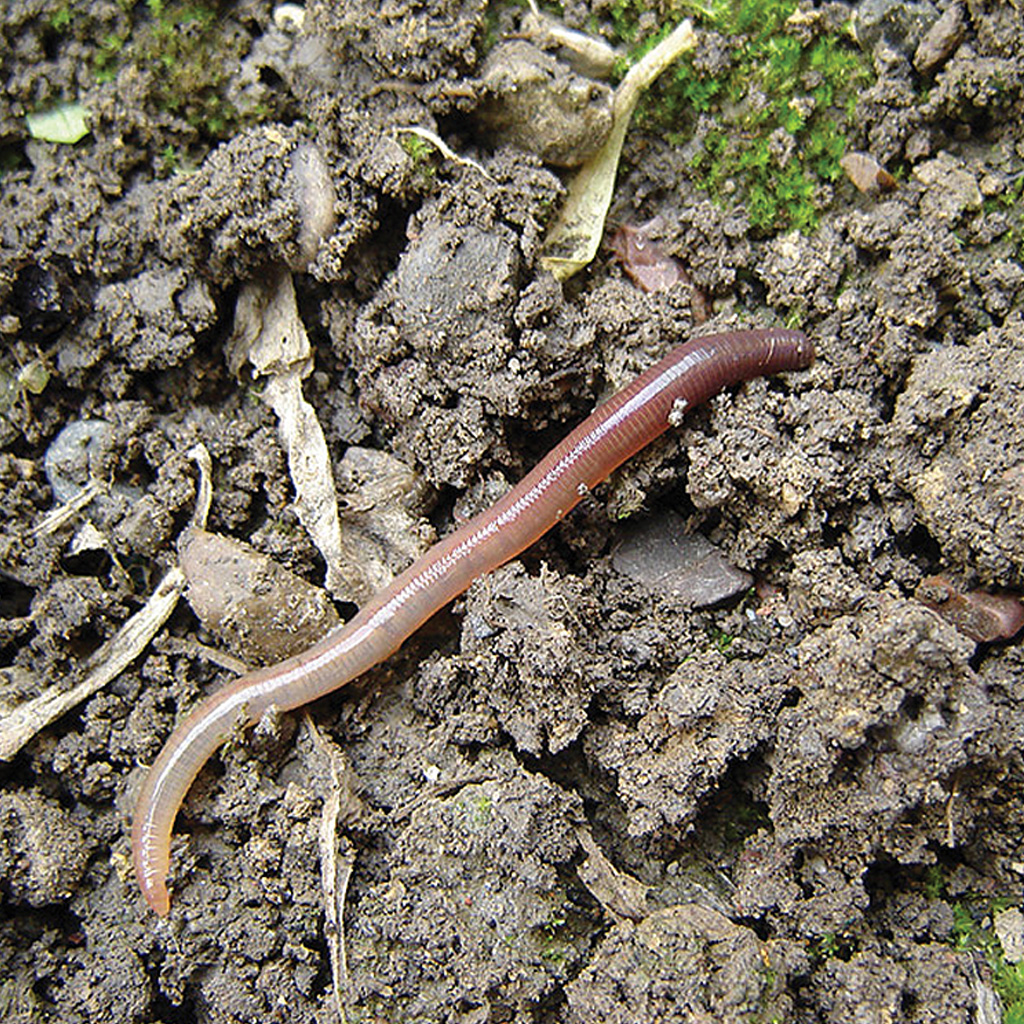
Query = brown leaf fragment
x=982 y=616
x=649 y=267
x=622 y=895
x=867 y=173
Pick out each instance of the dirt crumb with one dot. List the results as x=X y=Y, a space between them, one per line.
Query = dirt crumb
x=45 y=854
x=680 y=962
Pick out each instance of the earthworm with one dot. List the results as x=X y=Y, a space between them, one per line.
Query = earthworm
x=616 y=430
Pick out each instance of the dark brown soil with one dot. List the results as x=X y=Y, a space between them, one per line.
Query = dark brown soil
x=575 y=797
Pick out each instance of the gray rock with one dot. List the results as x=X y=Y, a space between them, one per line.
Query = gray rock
x=660 y=555
x=901 y=23
x=940 y=40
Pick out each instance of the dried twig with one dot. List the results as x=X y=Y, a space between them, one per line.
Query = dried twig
x=23 y=722
x=337 y=858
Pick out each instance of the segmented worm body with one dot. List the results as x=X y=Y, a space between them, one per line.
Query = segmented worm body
x=616 y=430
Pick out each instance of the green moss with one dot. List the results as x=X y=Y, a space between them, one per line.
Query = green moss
x=1009 y=983
x=973 y=933
x=186 y=43
x=61 y=19
x=107 y=56
x=625 y=15
x=473 y=811
x=772 y=122
x=934 y=883
x=628 y=23
x=189 y=50
x=170 y=161
x=1012 y=203
x=424 y=170
x=831 y=946
x=723 y=641
x=555 y=947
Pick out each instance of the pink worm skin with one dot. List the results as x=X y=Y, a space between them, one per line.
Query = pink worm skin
x=616 y=430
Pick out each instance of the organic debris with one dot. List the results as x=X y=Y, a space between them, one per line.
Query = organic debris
x=261 y=611
x=589 y=55
x=649 y=267
x=574 y=239
x=20 y=724
x=270 y=336
x=67 y=124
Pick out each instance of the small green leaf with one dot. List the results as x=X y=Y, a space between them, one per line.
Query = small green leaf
x=67 y=123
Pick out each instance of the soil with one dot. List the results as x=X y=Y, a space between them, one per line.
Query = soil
x=600 y=788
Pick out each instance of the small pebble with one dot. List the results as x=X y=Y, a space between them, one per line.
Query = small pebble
x=658 y=553
x=1009 y=927
x=940 y=40
x=68 y=462
x=289 y=18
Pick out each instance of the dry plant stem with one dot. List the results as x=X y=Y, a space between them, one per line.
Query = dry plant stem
x=616 y=430
x=23 y=722
x=54 y=520
x=108 y=662
x=442 y=147
x=337 y=859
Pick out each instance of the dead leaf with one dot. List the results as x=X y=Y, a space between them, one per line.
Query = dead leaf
x=574 y=238
x=269 y=335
